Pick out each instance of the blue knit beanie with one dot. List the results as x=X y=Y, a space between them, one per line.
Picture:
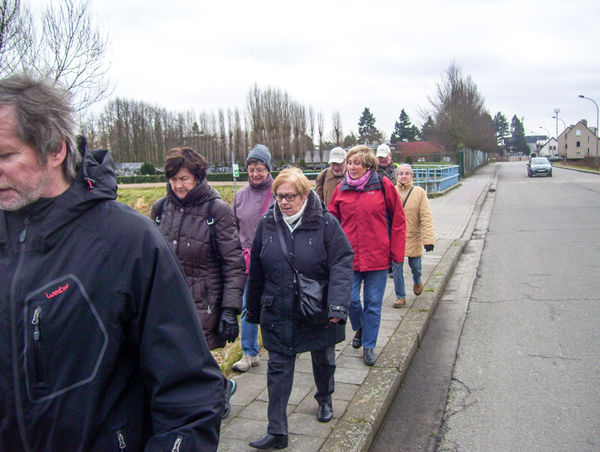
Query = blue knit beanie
x=260 y=152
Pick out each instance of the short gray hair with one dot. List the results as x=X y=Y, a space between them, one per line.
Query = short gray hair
x=44 y=117
x=406 y=165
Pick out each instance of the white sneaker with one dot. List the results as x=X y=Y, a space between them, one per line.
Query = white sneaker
x=245 y=363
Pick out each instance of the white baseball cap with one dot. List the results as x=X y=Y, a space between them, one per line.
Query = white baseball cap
x=337 y=155
x=383 y=151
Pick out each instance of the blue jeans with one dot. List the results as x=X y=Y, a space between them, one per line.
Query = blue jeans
x=415 y=266
x=249 y=331
x=368 y=314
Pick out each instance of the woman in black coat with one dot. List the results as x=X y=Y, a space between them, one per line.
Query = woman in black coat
x=317 y=248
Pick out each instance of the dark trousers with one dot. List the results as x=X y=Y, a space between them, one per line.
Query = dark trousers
x=280 y=380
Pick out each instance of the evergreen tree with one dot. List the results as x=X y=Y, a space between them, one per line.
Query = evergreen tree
x=350 y=140
x=367 y=132
x=403 y=130
x=501 y=127
x=428 y=130
x=519 y=144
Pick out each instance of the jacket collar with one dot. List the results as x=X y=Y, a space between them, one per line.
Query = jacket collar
x=312 y=213
x=374 y=183
x=201 y=193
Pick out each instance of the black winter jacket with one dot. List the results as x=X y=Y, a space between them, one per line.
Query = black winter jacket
x=100 y=345
x=319 y=250
x=215 y=282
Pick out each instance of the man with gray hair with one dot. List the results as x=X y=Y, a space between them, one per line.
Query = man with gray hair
x=101 y=347
x=329 y=178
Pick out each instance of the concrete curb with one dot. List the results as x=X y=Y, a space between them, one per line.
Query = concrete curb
x=359 y=426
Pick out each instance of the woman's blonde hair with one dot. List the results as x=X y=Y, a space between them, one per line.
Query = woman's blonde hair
x=366 y=155
x=293 y=176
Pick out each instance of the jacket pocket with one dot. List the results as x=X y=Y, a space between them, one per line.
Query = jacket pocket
x=57 y=318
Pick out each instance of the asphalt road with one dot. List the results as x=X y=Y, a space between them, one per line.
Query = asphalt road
x=527 y=370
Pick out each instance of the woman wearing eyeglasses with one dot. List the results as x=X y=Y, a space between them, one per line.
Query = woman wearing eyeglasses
x=250 y=203
x=298 y=234
x=370 y=211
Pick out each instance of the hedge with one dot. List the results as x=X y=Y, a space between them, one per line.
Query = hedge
x=211 y=177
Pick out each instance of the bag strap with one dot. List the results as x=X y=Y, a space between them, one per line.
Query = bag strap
x=406 y=199
x=210 y=220
x=283 y=245
x=266 y=203
x=161 y=208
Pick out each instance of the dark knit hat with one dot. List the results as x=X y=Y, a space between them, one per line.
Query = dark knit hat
x=260 y=152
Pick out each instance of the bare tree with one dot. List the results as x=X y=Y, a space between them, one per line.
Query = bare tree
x=338 y=132
x=458 y=110
x=72 y=49
x=321 y=129
x=311 y=129
x=15 y=39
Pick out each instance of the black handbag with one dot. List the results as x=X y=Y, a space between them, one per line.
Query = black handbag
x=312 y=294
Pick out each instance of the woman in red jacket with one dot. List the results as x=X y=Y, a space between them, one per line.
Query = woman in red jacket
x=370 y=212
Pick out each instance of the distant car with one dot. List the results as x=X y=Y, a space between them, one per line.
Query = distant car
x=539 y=166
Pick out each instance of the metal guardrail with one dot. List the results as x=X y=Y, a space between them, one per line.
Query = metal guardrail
x=436 y=178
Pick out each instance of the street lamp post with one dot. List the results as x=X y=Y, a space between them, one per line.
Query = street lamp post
x=597 y=121
x=565 y=128
x=559 y=119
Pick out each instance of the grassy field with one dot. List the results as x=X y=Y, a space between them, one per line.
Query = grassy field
x=141 y=199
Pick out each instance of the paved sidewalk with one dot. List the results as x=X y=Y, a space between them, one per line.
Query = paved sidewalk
x=363 y=394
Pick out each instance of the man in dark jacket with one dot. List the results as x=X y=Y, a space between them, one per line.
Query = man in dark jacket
x=100 y=345
x=385 y=166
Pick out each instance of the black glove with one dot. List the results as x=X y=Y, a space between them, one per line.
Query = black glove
x=228 y=324
x=428 y=248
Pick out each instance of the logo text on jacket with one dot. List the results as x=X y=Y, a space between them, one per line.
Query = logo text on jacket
x=57 y=291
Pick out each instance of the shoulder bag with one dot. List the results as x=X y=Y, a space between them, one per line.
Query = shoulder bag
x=312 y=294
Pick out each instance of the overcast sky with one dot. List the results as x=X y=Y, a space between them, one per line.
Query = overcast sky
x=526 y=57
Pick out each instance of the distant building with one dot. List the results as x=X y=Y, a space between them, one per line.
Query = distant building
x=578 y=141
x=129 y=169
x=549 y=149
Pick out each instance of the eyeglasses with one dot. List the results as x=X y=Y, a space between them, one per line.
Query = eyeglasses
x=288 y=198
x=257 y=170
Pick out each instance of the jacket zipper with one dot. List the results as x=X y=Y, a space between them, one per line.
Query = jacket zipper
x=15 y=347
x=121 y=439
x=37 y=349
x=177 y=444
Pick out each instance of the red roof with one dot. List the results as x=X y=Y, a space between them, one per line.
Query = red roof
x=419 y=147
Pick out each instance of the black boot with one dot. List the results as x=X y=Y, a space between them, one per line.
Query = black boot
x=357 y=341
x=369 y=356
x=270 y=442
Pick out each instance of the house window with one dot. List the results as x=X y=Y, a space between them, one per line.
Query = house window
x=588 y=139
x=578 y=132
x=578 y=144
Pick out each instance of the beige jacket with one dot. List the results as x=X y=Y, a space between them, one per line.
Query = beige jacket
x=326 y=183
x=419 y=220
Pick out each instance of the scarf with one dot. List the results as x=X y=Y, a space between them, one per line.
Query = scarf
x=358 y=184
x=293 y=221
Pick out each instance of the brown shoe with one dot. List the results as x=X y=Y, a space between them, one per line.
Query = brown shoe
x=418 y=288
x=399 y=302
